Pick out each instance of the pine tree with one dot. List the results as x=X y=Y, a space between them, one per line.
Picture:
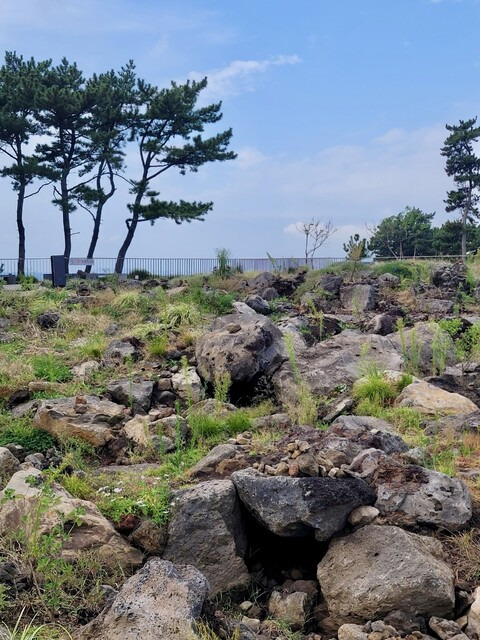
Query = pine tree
x=464 y=166
x=167 y=130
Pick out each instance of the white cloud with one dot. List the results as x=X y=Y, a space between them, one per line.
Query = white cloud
x=249 y=157
x=293 y=229
x=240 y=75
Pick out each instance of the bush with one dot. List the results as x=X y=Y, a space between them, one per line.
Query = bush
x=399 y=268
x=140 y=274
x=181 y=313
x=212 y=301
x=158 y=346
x=375 y=389
x=212 y=428
x=49 y=368
x=20 y=431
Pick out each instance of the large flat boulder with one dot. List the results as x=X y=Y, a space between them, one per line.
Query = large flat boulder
x=336 y=362
x=358 y=298
x=365 y=432
x=244 y=346
x=297 y=507
x=423 y=496
x=206 y=530
x=160 y=602
x=94 y=533
x=433 y=401
x=379 y=569
x=132 y=393
x=87 y=418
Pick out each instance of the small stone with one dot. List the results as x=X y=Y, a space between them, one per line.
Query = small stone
x=462 y=621
x=295 y=454
x=351 y=632
x=269 y=469
x=296 y=574
x=246 y=606
x=362 y=516
x=233 y=328
x=310 y=587
x=307 y=465
x=292 y=608
x=303 y=446
x=445 y=629
x=251 y=623
x=242 y=440
x=293 y=470
x=281 y=469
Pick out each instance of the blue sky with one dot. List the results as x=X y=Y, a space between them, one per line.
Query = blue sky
x=338 y=109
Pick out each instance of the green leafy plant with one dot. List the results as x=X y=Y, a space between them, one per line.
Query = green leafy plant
x=223 y=257
x=29 y=631
x=21 y=431
x=94 y=347
x=181 y=313
x=411 y=350
x=356 y=249
x=375 y=388
x=140 y=274
x=304 y=408
x=440 y=346
x=158 y=346
x=221 y=387
x=50 y=368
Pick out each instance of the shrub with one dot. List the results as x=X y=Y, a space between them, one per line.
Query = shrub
x=158 y=346
x=181 y=313
x=94 y=348
x=211 y=301
x=140 y=274
x=400 y=268
x=20 y=431
x=375 y=388
x=149 y=500
x=211 y=428
x=50 y=368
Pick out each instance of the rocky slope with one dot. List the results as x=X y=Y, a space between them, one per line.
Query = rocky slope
x=336 y=496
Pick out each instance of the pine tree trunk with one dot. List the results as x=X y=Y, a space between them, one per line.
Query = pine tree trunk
x=21 y=230
x=67 y=230
x=126 y=244
x=132 y=223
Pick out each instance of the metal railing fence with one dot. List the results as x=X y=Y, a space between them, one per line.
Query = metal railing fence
x=165 y=267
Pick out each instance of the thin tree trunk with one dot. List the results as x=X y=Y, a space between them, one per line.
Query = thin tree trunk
x=99 y=212
x=132 y=223
x=21 y=230
x=67 y=230
x=464 y=235
x=95 y=234
x=465 y=212
x=132 y=226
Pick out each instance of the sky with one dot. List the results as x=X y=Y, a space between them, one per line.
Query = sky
x=338 y=110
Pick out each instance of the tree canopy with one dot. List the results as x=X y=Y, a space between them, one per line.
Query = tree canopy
x=85 y=124
x=407 y=234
